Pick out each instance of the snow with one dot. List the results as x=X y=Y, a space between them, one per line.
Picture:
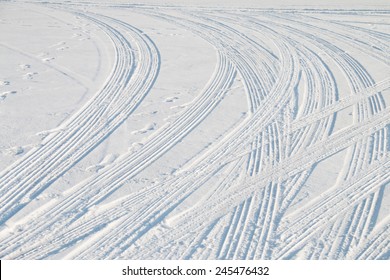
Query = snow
x=194 y=129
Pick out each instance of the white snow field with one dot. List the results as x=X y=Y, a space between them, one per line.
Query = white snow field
x=190 y=130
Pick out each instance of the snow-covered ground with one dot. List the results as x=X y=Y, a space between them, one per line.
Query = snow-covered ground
x=194 y=129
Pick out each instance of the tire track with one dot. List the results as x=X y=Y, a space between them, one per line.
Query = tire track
x=332 y=203
x=177 y=194
x=255 y=172
x=376 y=245
x=28 y=177
x=222 y=80
x=203 y=213
x=367 y=151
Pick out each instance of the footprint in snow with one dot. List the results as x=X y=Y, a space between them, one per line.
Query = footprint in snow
x=4 y=83
x=24 y=66
x=47 y=59
x=58 y=44
x=18 y=150
x=135 y=146
x=171 y=99
x=147 y=128
x=62 y=48
x=94 y=168
x=6 y=93
x=110 y=158
x=29 y=76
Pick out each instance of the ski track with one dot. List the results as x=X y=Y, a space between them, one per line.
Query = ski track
x=254 y=173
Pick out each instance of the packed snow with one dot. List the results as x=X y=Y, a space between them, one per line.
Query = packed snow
x=194 y=129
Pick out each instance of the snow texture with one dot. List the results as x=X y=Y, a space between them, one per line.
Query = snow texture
x=194 y=129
